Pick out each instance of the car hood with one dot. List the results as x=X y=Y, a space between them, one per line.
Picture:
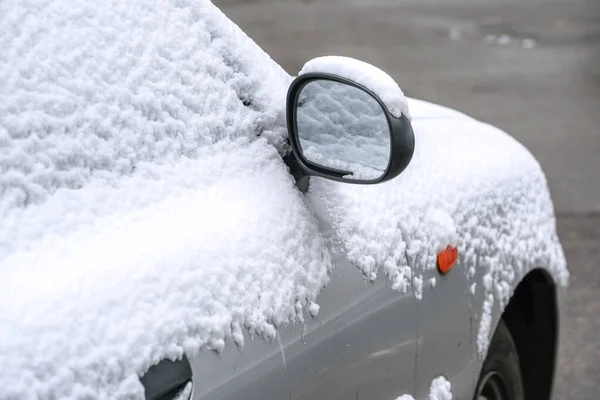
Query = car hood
x=424 y=110
x=143 y=217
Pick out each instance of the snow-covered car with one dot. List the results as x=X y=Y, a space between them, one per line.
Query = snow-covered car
x=180 y=218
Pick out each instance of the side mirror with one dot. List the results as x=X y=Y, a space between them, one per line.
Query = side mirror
x=341 y=130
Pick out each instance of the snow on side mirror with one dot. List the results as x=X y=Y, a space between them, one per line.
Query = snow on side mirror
x=340 y=129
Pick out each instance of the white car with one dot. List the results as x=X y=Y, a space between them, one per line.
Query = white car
x=180 y=218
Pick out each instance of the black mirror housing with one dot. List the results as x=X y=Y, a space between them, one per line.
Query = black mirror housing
x=402 y=140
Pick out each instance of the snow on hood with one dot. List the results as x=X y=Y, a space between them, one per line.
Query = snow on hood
x=469 y=185
x=420 y=109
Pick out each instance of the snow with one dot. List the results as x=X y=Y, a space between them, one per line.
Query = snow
x=423 y=110
x=490 y=200
x=366 y=75
x=440 y=389
x=146 y=211
x=432 y=282
x=528 y=43
x=418 y=287
x=442 y=228
x=91 y=91
x=405 y=397
x=504 y=39
x=473 y=288
x=484 y=332
x=313 y=309
x=202 y=265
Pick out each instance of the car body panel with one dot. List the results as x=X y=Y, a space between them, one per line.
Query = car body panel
x=367 y=340
x=361 y=344
x=444 y=333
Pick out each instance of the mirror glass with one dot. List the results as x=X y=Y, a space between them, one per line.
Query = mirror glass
x=344 y=128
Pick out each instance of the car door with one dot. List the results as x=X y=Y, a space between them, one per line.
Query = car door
x=360 y=345
x=446 y=340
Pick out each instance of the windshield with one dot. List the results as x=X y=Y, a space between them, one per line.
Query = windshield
x=146 y=82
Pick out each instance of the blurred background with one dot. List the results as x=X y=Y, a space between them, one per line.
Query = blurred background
x=531 y=67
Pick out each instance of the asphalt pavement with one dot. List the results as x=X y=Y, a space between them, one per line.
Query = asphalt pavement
x=531 y=67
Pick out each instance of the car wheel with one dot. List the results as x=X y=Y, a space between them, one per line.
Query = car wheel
x=500 y=377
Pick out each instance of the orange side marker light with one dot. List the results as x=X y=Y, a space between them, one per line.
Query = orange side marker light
x=447 y=258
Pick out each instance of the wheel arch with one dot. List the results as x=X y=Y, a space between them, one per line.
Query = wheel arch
x=532 y=319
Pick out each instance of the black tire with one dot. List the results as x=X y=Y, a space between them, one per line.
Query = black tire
x=500 y=377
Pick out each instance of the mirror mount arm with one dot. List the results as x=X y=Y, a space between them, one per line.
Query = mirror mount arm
x=302 y=179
